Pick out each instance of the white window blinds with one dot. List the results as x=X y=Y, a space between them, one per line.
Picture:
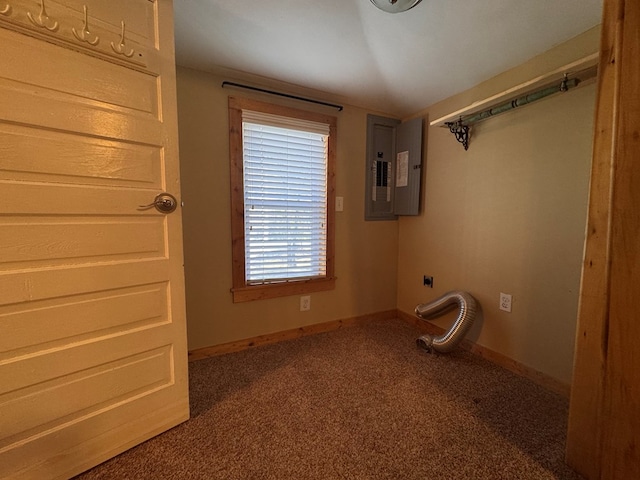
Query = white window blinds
x=285 y=198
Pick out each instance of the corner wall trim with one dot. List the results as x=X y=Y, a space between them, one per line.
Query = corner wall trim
x=286 y=95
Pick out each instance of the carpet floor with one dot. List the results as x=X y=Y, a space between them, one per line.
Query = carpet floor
x=357 y=403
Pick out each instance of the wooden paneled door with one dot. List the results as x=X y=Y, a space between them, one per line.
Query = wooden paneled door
x=92 y=320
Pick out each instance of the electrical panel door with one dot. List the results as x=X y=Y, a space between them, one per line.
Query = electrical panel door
x=408 y=167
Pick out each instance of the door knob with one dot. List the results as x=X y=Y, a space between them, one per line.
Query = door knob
x=164 y=203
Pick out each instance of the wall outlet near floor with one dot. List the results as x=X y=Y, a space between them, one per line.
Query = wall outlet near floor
x=505 y=302
x=305 y=303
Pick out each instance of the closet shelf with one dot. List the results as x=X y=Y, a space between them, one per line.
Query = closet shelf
x=574 y=73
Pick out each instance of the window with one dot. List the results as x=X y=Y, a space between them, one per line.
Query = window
x=282 y=200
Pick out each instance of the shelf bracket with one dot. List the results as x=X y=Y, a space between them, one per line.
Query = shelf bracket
x=461 y=131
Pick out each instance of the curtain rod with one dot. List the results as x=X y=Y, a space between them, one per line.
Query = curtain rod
x=286 y=95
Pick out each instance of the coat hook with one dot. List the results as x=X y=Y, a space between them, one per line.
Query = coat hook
x=6 y=10
x=120 y=49
x=83 y=36
x=43 y=19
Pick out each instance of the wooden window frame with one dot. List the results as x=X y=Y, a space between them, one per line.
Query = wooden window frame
x=243 y=292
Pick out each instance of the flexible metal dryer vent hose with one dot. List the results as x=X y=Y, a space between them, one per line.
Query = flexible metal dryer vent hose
x=451 y=338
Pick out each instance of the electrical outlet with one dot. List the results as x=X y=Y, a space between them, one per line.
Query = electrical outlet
x=305 y=303
x=339 y=204
x=505 y=302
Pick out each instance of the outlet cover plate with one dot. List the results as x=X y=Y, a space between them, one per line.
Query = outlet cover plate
x=505 y=302
x=305 y=303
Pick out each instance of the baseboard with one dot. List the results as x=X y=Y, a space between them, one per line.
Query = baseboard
x=247 y=343
x=535 y=376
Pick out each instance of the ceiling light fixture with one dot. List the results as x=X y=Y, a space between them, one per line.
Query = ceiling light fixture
x=395 y=6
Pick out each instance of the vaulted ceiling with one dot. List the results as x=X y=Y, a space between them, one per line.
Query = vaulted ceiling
x=395 y=63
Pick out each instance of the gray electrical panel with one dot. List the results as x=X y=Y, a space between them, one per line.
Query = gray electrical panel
x=393 y=168
x=381 y=147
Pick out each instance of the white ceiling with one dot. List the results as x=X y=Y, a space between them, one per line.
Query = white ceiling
x=395 y=63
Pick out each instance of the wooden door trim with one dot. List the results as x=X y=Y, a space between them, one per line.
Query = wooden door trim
x=603 y=420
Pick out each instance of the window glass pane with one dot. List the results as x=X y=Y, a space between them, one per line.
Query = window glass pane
x=285 y=199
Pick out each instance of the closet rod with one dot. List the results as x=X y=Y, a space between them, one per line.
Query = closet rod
x=461 y=127
x=565 y=85
x=286 y=95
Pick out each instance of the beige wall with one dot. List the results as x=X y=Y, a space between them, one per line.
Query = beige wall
x=366 y=252
x=509 y=215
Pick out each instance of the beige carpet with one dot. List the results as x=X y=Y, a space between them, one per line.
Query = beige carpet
x=358 y=403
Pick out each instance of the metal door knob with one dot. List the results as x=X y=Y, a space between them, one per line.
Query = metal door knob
x=164 y=203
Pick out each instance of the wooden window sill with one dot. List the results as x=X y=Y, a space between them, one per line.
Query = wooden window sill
x=261 y=292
